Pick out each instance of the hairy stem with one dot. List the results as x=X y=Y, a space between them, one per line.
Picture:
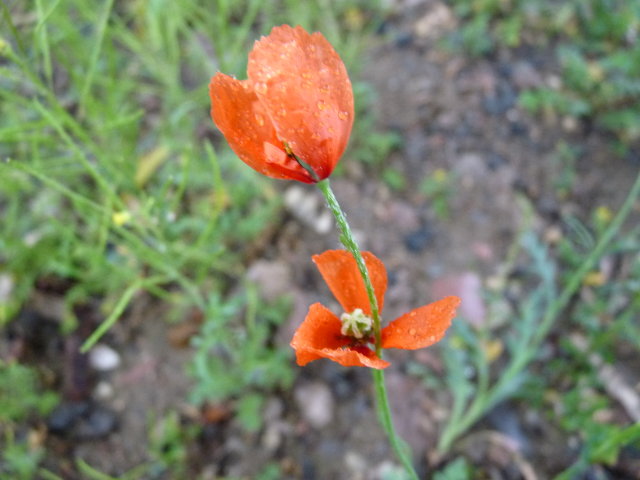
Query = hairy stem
x=382 y=398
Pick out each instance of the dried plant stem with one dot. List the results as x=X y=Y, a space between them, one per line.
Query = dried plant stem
x=384 y=409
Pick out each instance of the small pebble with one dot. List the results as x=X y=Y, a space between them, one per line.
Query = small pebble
x=65 y=415
x=98 y=423
x=103 y=358
x=316 y=404
x=419 y=239
x=273 y=278
x=103 y=391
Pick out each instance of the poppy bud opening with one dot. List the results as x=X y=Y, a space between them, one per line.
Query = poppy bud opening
x=356 y=324
x=297 y=93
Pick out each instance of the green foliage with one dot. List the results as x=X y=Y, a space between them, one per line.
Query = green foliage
x=19 y=460
x=235 y=356
x=270 y=472
x=103 y=118
x=438 y=188
x=605 y=322
x=597 y=49
x=565 y=160
x=249 y=411
x=115 y=179
x=168 y=446
x=550 y=287
x=591 y=337
x=20 y=393
x=456 y=470
x=394 y=179
x=368 y=145
x=21 y=398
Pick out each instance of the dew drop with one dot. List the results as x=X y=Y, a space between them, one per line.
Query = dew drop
x=343 y=115
x=322 y=104
x=260 y=87
x=412 y=332
x=259 y=119
x=281 y=112
x=306 y=75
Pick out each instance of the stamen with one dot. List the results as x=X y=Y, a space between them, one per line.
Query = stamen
x=356 y=324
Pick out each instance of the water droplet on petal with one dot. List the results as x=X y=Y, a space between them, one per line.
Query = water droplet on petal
x=322 y=104
x=412 y=332
x=259 y=119
x=260 y=88
x=281 y=112
x=343 y=115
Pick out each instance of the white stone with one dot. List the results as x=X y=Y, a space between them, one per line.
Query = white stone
x=103 y=358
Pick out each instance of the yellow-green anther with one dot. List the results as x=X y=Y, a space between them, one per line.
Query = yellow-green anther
x=356 y=324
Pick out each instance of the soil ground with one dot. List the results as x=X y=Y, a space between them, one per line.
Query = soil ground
x=453 y=113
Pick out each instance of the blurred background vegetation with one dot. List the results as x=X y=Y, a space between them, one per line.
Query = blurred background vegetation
x=114 y=183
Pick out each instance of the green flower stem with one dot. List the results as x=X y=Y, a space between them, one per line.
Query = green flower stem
x=400 y=448
x=350 y=243
x=384 y=410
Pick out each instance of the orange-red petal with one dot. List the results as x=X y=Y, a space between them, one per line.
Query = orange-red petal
x=421 y=327
x=340 y=271
x=351 y=357
x=319 y=337
x=304 y=85
x=247 y=126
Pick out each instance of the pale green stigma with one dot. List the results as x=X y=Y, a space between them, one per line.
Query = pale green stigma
x=356 y=324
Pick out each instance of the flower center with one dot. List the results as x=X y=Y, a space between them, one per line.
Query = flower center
x=356 y=324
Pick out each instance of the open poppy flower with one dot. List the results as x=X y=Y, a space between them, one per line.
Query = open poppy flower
x=297 y=104
x=346 y=339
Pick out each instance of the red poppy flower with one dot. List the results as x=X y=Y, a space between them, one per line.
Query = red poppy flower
x=346 y=340
x=296 y=104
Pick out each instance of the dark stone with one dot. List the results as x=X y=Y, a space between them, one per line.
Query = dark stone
x=82 y=420
x=64 y=417
x=404 y=40
x=98 y=423
x=518 y=128
x=495 y=161
x=501 y=100
x=419 y=239
x=505 y=420
x=308 y=469
x=392 y=277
